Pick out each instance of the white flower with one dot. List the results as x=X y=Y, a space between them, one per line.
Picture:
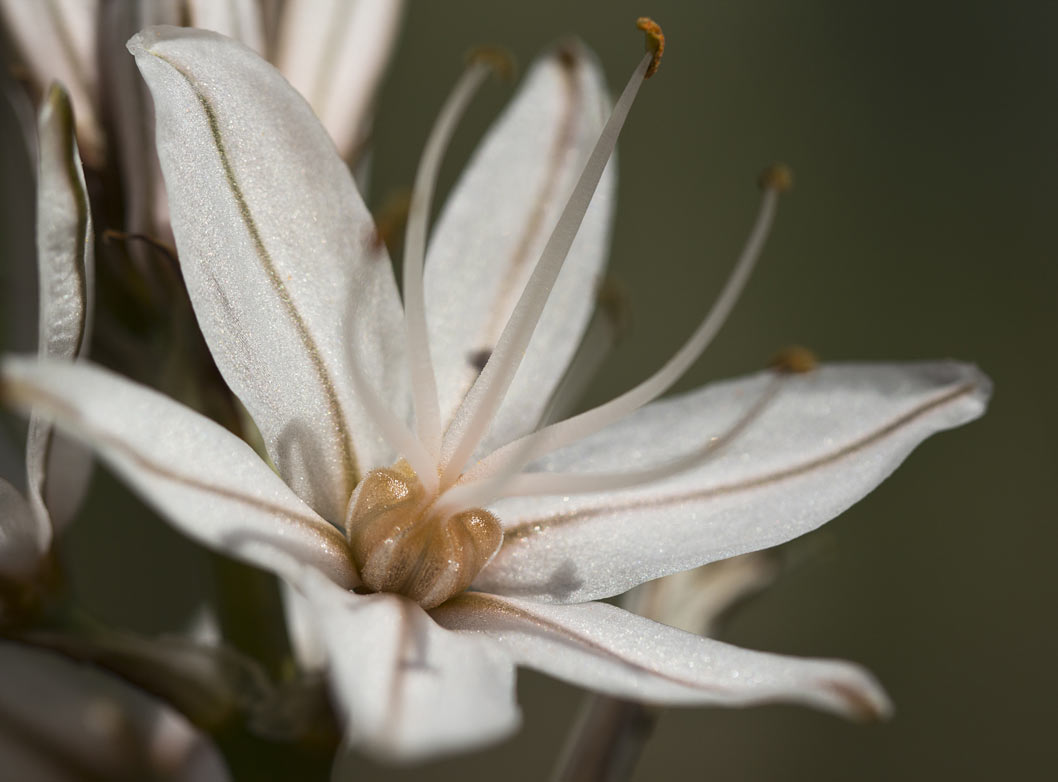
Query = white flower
x=297 y=301
x=333 y=51
x=63 y=720
x=696 y=600
x=56 y=470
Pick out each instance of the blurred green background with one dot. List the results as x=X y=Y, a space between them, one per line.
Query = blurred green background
x=921 y=226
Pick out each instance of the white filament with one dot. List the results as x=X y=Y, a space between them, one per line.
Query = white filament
x=393 y=430
x=423 y=381
x=515 y=455
x=599 y=340
x=540 y=483
x=475 y=414
x=513 y=483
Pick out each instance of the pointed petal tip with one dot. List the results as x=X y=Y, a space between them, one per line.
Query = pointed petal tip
x=856 y=695
x=57 y=97
x=569 y=51
x=141 y=41
x=983 y=385
x=147 y=38
x=967 y=377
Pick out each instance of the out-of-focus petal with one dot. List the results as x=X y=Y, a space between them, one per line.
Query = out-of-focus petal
x=605 y=648
x=56 y=469
x=695 y=600
x=238 y=19
x=303 y=629
x=205 y=480
x=274 y=240
x=20 y=541
x=519 y=180
x=408 y=688
x=334 y=53
x=58 y=41
x=126 y=105
x=69 y=722
x=826 y=439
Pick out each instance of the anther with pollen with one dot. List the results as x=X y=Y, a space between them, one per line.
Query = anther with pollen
x=655 y=42
x=794 y=360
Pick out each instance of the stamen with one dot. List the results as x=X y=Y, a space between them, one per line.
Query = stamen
x=563 y=433
x=538 y=483
x=655 y=42
x=393 y=430
x=423 y=381
x=475 y=414
x=608 y=326
x=794 y=360
x=516 y=484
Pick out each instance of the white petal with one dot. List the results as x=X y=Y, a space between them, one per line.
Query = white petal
x=85 y=724
x=64 y=234
x=334 y=52
x=205 y=480
x=20 y=542
x=58 y=41
x=238 y=19
x=696 y=600
x=409 y=688
x=605 y=648
x=494 y=226
x=825 y=441
x=57 y=470
x=306 y=640
x=274 y=241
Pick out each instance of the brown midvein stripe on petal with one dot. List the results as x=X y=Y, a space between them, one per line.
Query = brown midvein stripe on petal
x=481 y=602
x=303 y=520
x=509 y=291
x=394 y=711
x=34 y=395
x=351 y=469
x=545 y=196
x=528 y=528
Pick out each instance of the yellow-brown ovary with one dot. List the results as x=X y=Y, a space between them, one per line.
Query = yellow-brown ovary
x=398 y=547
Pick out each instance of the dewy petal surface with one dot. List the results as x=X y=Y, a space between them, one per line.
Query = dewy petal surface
x=494 y=227
x=408 y=687
x=826 y=440
x=274 y=240
x=608 y=649
x=205 y=480
x=334 y=52
x=57 y=470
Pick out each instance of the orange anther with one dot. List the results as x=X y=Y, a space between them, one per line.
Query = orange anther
x=655 y=42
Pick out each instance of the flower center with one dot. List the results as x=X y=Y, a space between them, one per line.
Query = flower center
x=400 y=546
